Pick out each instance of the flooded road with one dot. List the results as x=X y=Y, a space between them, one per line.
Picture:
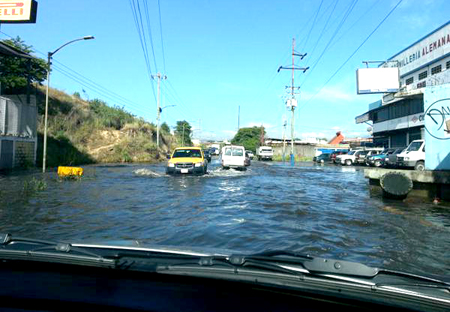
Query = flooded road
x=323 y=211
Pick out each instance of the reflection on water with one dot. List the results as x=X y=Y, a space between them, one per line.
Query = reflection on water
x=320 y=210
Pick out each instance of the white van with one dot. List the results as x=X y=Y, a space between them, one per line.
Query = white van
x=233 y=156
x=413 y=156
x=264 y=153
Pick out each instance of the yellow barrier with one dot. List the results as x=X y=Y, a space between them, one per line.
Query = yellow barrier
x=70 y=171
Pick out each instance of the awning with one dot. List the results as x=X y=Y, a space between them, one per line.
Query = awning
x=8 y=50
x=362 y=118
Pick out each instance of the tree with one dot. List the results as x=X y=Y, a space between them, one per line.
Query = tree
x=165 y=127
x=183 y=132
x=14 y=71
x=248 y=137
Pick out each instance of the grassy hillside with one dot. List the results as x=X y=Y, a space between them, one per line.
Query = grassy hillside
x=83 y=132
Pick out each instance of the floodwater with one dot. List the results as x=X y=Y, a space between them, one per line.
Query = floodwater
x=319 y=210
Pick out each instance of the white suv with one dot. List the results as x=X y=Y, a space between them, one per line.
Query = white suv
x=349 y=158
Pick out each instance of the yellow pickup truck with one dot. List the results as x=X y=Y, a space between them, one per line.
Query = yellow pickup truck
x=187 y=160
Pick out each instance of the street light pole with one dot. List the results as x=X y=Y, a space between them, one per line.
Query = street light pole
x=49 y=64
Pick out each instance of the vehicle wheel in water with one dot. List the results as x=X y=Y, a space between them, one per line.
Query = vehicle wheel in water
x=420 y=166
x=348 y=162
x=377 y=163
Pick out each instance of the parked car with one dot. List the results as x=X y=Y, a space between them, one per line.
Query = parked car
x=325 y=157
x=264 y=153
x=207 y=155
x=335 y=154
x=391 y=160
x=250 y=154
x=351 y=157
x=378 y=160
x=233 y=156
x=413 y=156
x=187 y=160
x=361 y=157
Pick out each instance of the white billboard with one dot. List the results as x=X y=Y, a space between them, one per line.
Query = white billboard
x=432 y=47
x=377 y=80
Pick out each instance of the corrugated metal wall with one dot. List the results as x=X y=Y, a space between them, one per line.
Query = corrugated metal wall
x=18 y=132
x=17 y=119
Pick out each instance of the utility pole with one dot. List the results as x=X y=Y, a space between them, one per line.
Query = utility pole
x=292 y=102
x=158 y=116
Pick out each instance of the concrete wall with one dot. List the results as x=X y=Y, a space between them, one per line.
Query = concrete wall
x=306 y=150
x=300 y=150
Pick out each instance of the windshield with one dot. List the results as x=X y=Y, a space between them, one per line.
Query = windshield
x=180 y=153
x=237 y=152
x=414 y=146
x=112 y=152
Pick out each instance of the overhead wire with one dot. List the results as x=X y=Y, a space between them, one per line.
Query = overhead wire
x=354 y=52
x=313 y=24
x=137 y=15
x=341 y=23
x=147 y=17
x=98 y=90
x=321 y=33
x=161 y=33
x=89 y=83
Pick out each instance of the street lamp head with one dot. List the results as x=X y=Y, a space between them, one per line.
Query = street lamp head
x=279 y=68
x=88 y=38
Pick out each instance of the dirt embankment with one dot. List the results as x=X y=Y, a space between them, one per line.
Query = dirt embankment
x=83 y=132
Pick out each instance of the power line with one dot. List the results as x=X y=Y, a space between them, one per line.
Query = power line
x=356 y=22
x=90 y=84
x=321 y=33
x=344 y=18
x=354 y=52
x=149 y=31
x=135 y=8
x=312 y=26
x=161 y=33
x=97 y=90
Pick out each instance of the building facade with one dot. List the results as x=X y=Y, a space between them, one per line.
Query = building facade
x=397 y=119
x=18 y=123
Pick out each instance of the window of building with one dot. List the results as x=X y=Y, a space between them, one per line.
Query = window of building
x=416 y=106
x=436 y=70
x=381 y=115
x=415 y=134
x=423 y=75
x=447 y=65
x=409 y=81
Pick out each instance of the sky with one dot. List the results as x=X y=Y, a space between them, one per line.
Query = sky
x=221 y=57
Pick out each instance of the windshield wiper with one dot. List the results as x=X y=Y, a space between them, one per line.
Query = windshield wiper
x=17 y=248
